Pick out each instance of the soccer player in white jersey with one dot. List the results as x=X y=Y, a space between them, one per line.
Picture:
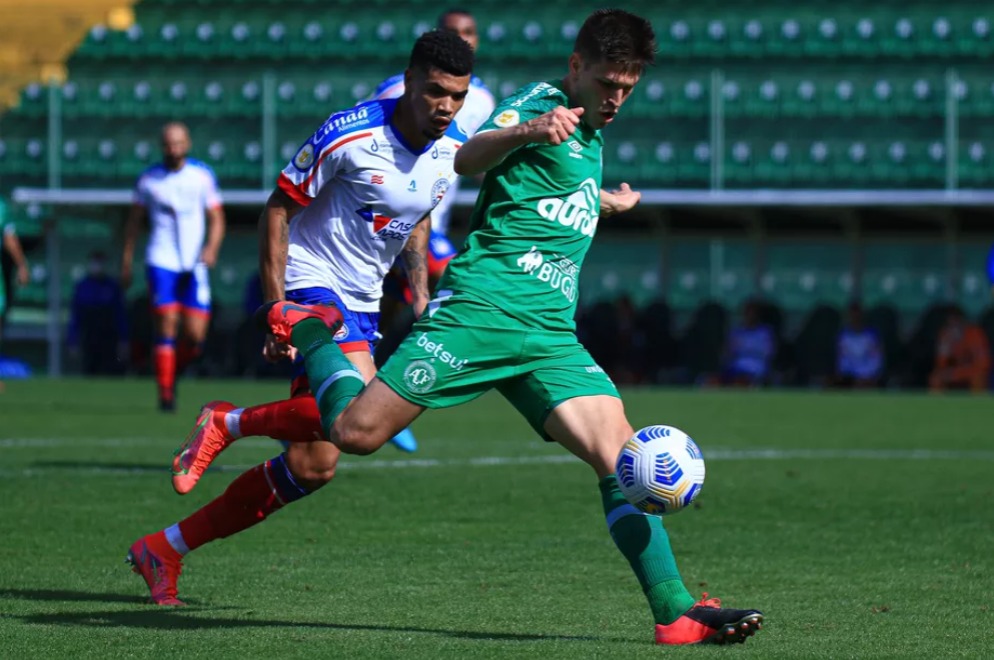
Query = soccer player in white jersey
x=359 y=193
x=477 y=109
x=180 y=199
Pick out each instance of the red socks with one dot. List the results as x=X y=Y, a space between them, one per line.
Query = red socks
x=294 y=420
x=165 y=368
x=246 y=502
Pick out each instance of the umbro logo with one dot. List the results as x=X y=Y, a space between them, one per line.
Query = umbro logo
x=576 y=149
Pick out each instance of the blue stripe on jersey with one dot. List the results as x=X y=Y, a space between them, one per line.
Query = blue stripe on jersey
x=202 y=165
x=153 y=169
x=456 y=133
x=388 y=83
x=476 y=81
x=370 y=114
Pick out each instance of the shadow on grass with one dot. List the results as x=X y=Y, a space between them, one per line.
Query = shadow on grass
x=120 y=467
x=190 y=619
x=73 y=596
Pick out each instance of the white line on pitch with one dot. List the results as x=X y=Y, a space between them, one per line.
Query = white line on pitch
x=487 y=461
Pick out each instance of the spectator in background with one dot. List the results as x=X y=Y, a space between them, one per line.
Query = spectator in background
x=963 y=358
x=749 y=350
x=859 y=354
x=98 y=323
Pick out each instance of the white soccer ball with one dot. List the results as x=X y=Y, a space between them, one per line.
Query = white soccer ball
x=660 y=470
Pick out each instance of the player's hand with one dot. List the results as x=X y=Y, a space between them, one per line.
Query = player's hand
x=620 y=200
x=23 y=275
x=274 y=351
x=209 y=257
x=555 y=126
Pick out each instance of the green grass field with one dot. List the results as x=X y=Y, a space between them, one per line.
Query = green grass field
x=860 y=525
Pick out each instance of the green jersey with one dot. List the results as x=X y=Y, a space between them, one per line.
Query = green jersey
x=534 y=219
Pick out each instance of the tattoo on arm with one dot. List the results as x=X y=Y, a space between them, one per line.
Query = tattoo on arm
x=274 y=243
x=415 y=255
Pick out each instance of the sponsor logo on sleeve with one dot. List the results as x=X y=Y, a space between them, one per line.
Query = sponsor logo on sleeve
x=507 y=118
x=305 y=157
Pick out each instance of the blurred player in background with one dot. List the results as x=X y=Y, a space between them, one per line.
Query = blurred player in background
x=397 y=293
x=12 y=246
x=359 y=193
x=175 y=196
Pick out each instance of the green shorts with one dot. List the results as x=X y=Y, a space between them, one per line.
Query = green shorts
x=464 y=348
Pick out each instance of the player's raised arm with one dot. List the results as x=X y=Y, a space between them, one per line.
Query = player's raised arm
x=488 y=148
x=274 y=241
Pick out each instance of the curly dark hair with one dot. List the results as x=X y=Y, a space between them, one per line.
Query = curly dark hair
x=618 y=37
x=443 y=50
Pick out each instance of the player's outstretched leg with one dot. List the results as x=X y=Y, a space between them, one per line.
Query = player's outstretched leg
x=311 y=328
x=250 y=499
x=594 y=428
x=160 y=565
x=643 y=541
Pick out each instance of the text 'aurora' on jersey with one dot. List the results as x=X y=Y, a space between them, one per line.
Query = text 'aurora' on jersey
x=579 y=210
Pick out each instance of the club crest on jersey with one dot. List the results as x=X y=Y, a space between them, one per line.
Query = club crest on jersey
x=377 y=179
x=438 y=190
x=304 y=157
x=342 y=333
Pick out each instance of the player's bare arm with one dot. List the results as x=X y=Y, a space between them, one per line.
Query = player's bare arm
x=415 y=255
x=486 y=150
x=618 y=201
x=132 y=227
x=274 y=244
x=215 y=236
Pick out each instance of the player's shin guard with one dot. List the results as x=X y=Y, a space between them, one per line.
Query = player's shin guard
x=643 y=541
x=334 y=380
x=250 y=499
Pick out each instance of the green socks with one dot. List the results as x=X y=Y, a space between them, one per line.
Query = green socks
x=334 y=381
x=644 y=543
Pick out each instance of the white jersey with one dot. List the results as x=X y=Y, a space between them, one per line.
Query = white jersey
x=175 y=202
x=364 y=189
x=477 y=109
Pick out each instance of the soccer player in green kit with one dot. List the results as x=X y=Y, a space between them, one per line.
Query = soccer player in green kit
x=503 y=314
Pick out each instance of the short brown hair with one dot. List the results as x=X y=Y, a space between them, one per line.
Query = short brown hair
x=618 y=37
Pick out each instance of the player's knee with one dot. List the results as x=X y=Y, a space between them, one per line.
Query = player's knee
x=354 y=438
x=313 y=469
